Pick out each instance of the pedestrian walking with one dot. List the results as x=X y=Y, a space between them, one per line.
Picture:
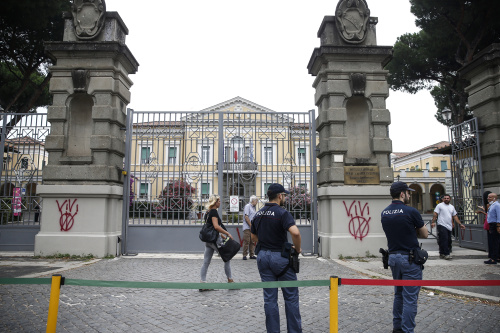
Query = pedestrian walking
x=402 y=224
x=269 y=229
x=494 y=226
x=212 y=217
x=248 y=214
x=484 y=211
x=445 y=214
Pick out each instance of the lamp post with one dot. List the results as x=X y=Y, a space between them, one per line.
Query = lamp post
x=446 y=113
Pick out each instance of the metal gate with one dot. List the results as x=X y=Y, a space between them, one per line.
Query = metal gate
x=467 y=183
x=23 y=140
x=176 y=160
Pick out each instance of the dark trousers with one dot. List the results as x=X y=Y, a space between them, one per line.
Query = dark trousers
x=493 y=241
x=444 y=240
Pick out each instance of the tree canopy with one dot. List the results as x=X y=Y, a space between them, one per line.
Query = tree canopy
x=452 y=32
x=24 y=26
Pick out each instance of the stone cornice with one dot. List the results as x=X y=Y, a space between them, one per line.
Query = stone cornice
x=57 y=50
x=347 y=51
x=489 y=54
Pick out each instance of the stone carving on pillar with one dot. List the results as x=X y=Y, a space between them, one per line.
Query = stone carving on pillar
x=88 y=18
x=352 y=20
x=357 y=81
x=81 y=79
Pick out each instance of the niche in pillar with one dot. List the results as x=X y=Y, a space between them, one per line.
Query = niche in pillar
x=80 y=126
x=358 y=128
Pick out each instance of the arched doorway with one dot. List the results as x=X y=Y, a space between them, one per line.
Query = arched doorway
x=416 y=197
x=437 y=190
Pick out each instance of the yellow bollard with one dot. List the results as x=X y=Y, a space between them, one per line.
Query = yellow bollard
x=55 y=289
x=334 y=304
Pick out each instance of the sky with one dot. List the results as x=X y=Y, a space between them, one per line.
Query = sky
x=194 y=54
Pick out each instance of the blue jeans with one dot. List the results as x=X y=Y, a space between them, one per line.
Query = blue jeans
x=444 y=240
x=405 y=298
x=270 y=265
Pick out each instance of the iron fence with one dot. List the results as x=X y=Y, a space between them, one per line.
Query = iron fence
x=24 y=156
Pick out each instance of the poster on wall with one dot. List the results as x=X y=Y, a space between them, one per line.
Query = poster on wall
x=16 y=202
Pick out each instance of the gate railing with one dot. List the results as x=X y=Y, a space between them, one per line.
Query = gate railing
x=467 y=181
x=22 y=137
x=175 y=160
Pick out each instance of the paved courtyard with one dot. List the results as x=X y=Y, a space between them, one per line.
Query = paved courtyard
x=103 y=309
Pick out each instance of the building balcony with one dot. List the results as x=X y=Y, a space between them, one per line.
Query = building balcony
x=241 y=167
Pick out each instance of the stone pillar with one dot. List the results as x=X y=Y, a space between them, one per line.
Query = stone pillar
x=355 y=172
x=83 y=183
x=484 y=100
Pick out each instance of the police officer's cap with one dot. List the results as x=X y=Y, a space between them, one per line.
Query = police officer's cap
x=277 y=188
x=398 y=187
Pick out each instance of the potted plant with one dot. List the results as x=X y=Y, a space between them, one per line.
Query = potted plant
x=435 y=168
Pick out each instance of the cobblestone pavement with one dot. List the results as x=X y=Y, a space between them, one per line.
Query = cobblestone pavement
x=103 y=309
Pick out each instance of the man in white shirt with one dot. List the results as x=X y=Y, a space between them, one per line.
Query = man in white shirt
x=248 y=214
x=445 y=214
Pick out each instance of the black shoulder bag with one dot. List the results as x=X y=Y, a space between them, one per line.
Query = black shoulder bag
x=208 y=234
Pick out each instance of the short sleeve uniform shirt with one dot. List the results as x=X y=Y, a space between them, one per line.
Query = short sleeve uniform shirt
x=399 y=223
x=271 y=224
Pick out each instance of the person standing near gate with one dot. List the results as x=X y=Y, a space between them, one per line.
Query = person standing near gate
x=212 y=216
x=445 y=214
x=248 y=214
x=402 y=224
x=494 y=225
x=269 y=230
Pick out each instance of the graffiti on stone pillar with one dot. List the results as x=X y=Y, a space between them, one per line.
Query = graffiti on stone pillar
x=67 y=218
x=359 y=223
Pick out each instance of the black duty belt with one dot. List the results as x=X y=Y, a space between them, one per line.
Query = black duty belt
x=400 y=252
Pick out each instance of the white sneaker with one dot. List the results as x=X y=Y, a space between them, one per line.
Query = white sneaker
x=447 y=257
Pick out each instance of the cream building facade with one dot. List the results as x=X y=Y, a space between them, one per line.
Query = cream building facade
x=428 y=173
x=236 y=148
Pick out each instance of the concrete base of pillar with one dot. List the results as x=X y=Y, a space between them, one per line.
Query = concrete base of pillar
x=80 y=220
x=349 y=220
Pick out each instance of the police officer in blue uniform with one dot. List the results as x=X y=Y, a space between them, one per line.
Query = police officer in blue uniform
x=402 y=224
x=269 y=229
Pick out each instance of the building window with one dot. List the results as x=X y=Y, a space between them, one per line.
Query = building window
x=144 y=191
x=145 y=154
x=205 y=190
x=444 y=165
x=24 y=163
x=265 y=188
x=268 y=155
x=5 y=161
x=205 y=154
x=427 y=165
x=301 y=153
x=303 y=185
x=172 y=155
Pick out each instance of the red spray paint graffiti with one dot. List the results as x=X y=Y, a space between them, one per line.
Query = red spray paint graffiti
x=359 y=221
x=67 y=218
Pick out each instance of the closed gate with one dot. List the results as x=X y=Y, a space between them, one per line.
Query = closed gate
x=22 y=137
x=467 y=183
x=176 y=160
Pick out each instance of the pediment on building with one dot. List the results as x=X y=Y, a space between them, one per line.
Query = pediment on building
x=238 y=104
